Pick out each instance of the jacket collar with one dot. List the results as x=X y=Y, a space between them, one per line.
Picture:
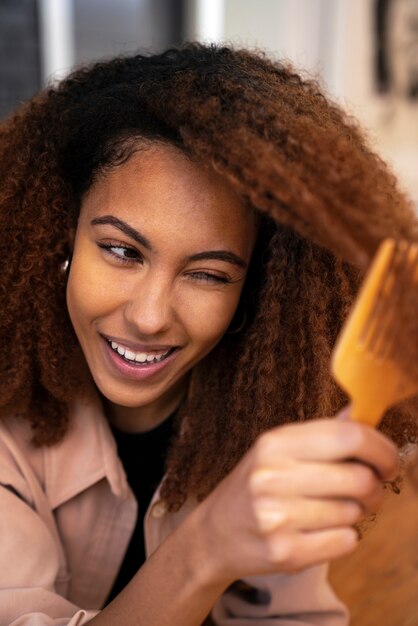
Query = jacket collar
x=86 y=454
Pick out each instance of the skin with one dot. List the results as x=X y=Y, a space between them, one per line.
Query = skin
x=158 y=297
x=292 y=500
x=290 y=503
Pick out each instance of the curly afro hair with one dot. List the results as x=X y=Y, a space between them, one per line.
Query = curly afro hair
x=325 y=201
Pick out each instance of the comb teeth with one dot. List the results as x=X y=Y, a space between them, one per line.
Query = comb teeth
x=383 y=332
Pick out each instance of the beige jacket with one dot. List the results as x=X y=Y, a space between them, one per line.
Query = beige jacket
x=66 y=517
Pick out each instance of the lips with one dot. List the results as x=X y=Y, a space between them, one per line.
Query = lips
x=137 y=370
x=139 y=358
x=139 y=347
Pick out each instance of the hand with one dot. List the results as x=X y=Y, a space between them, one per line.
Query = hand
x=292 y=500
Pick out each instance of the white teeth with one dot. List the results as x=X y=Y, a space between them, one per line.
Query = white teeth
x=140 y=357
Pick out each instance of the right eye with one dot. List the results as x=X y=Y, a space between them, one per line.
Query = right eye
x=122 y=253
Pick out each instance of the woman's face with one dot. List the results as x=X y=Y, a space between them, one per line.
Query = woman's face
x=159 y=262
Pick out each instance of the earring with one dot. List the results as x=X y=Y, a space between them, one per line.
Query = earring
x=65 y=265
x=237 y=330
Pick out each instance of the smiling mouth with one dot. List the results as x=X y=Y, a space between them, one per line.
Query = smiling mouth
x=139 y=359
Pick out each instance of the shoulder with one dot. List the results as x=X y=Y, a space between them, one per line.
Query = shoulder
x=19 y=458
x=29 y=469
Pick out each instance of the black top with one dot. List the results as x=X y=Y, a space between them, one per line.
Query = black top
x=143 y=457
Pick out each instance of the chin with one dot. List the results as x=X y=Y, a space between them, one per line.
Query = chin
x=126 y=399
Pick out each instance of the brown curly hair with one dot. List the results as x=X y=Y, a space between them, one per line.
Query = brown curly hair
x=325 y=198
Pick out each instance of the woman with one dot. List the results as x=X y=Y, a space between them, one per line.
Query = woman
x=182 y=236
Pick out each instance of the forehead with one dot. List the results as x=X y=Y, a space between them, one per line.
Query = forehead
x=163 y=192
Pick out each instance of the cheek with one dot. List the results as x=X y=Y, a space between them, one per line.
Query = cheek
x=208 y=315
x=88 y=294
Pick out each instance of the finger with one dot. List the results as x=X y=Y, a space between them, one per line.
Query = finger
x=308 y=514
x=327 y=514
x=301 y=550
x=344 y=480
x=331 y=440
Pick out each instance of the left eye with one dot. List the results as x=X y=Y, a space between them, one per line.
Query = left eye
x=209 y=278
x=125 y=254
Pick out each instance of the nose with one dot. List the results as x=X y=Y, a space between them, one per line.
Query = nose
x=149 y=308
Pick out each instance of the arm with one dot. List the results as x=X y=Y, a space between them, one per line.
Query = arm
x=287 y=507
x=185 y=592
x=174 y=586
x=188 y=588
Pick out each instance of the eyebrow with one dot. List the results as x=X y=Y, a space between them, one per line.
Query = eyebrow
x=216 y=255
x=124 y=227
x=219 y=255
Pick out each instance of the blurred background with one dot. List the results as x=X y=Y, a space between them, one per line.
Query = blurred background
x=364 y=52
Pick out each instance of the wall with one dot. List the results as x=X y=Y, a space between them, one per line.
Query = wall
x=334 y=40
x=19 y=53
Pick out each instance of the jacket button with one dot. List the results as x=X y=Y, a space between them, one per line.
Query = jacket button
x=159 y=509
